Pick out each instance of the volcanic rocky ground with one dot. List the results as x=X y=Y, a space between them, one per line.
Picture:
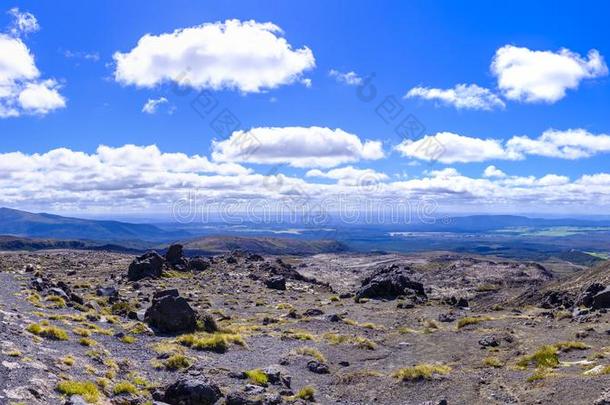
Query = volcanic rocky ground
x=433 y=328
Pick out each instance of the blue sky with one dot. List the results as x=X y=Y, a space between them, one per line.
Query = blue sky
x=427 y=45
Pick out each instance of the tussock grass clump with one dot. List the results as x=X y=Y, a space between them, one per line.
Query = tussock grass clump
x=128 y=339
x=167 y=348
x=546 y=356
x=421 y=371
x=358 y=341
x=217 y=342
x=298 y=334
x=571 y=345
x=124 y=387
x=87 y=342
x=258 y=377
x=312 y=352
x=56 y=301
x=86 y=389
x=492 y=362
x=82 y=332
x=177 y=362
x=47 y=331
x=472 y=320
x=306 y=393
x=67 y=360
x=355 y=377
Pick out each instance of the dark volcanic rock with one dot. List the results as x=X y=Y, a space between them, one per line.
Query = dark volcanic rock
x=556 y=299
x=198 y=264
x=191 y=391
x=316 y=367
x=148 y=265
x=459 y=302
x=586 y=298
x=171 y=313
x=276 y=283
x=601 y=299
x=390 y=282
x=107 y=292
x=489 y=341
x=175 y=257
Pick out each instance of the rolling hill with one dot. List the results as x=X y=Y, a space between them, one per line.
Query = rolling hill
x=26 y=224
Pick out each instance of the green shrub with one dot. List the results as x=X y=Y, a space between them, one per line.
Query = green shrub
x=86 y=389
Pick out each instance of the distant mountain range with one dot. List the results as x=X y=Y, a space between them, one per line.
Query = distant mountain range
x=31 y=231
x=26 y=224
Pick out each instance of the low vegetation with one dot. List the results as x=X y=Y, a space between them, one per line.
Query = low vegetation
x=421 y=371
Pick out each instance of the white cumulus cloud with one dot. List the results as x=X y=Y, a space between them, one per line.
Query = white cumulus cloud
x=447 y=147
x=247 y=56
x=493 y=171
x=296 y=146
x=569 y=144
x=152 y=104
x=349 y=78
x=22 y=91
x=462 y=96
x=543 y=76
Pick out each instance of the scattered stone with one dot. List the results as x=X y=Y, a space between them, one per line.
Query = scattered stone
x=148 y=265
x=391 y=282
x=334 y=318
x=313 y=312
x=447 y=317
x=175 y=257
x=170 y=313
x=316 y=367
x=191 y=391
x=107 y=292
x=601 y=299
x=198 y=264
x=276 y=283
x=75 y=400
x=489 y=341
x=277 y=375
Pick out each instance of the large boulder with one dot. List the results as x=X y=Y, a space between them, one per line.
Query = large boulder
x=601 y=299
x=192 y=391
x=587 y=297
x=175 y=257
x=198 y=264
x=150 y=265
x=391 y=282
x=276 y=283
x=170 y=313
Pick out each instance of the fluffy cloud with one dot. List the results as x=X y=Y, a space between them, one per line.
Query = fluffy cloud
x=23 y=22
x=247 y=56
x=570 y=144
x=543 y=76
x=296 y=146
x=447 y=147
x=349 y=78
x=462 y=96
x=350 y=176
x=141 y=178
x=152 y=104
x=493 y=171
x=22 y=91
